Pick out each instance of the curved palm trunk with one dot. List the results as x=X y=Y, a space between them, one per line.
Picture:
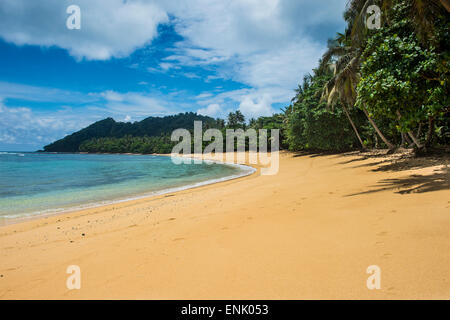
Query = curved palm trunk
x=430 y=132
x=415 y=140
x=419 y=130
x=353 y=126
x=403 y=143
x=411 y=134
x=405 y=139
x=423 y=148
x=386 y=141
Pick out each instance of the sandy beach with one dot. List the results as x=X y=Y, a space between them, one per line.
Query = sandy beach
x=309 y=232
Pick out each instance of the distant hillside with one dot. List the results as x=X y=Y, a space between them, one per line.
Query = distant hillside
x=149 y=127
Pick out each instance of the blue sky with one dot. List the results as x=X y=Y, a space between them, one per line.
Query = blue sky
x=138 y=58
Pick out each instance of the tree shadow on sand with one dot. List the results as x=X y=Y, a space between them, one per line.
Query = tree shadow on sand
x=399 y=161
x=366 y=155
x=439 y=180
x=315 y=154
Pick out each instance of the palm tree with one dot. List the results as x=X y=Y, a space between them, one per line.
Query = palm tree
x=331 y=95
x=252 y=123
x=220 y=123
x=236 y=120
x=240 y=117
x=345 y=61
x=232 y=121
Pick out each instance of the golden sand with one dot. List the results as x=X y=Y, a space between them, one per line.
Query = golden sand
x=308 y=232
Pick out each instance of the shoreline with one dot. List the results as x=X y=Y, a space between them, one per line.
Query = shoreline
x=309 y=232
x=247 y=170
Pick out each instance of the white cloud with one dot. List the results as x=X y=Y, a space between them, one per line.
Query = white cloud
x=112 y=96
x=252 y=108
x=39 y=94
x=204 y=95
x=163 y=67
x=166 y=66
x=25 y=126
x=110 y=103
x=265 y=44
x=191 y=75
x=136 y=104
x=20 y=125
x=251 y=102
x=109 y=28
x=212 y=110
x=224 y=28
x=282 y=66
x=257 y=42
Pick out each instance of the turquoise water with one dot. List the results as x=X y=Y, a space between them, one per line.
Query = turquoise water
x=37 y=183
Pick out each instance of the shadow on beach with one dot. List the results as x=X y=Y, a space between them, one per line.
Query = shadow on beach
x=404 y=159
x=439 y=180
x=315 y=154
x=399 y=161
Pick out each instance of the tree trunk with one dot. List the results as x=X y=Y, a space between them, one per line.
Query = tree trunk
x=408 y=140
x=430 y=132
x=411 y=134
x=446 y=4
x=415 y=140
x=419 y=130
x=386 y=141
x=422 y=149
x=354 y=127
x=403 y=143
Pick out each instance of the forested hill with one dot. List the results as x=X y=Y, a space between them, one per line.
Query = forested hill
x=108 y=128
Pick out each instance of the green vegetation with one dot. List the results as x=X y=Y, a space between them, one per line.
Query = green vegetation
x=378 y=88
x=311 y=125
x=152 y=135
x=105 y=135
x=128 y=144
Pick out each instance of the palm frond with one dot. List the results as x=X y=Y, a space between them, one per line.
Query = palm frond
x=331 y=53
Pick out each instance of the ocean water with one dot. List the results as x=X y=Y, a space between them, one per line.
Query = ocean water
x=38 y=183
